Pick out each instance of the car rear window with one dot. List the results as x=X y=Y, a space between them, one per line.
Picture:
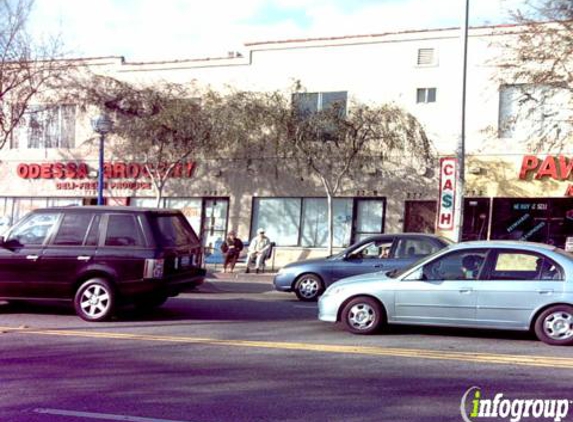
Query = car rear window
x=174 y=230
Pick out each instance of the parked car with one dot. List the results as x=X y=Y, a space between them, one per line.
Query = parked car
x=308 y=279
x=100 y=258
x=497 y=284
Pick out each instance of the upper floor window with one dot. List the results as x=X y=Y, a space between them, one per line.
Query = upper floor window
x=534 y=111
x=308 y=103
x=47 y=127
x=426 y=95
x=427 y=57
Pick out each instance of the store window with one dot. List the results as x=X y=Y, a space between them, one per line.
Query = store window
x=279 y=217
x=13 y=209
x=47 y=127
x=304 y=221
x=315 y=222
x=545 y=220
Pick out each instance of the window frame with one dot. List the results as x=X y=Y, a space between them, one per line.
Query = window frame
x=493 y=259
x=103 y=233
x=351 y=240
x=430 y=95
x=22 y=137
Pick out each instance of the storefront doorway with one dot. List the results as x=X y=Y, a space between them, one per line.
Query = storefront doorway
x=420 y=216
x=476 y=218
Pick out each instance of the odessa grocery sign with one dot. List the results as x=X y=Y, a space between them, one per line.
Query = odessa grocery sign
x=558 y=168
x=76 y=175
x=447 y=193
x=79 y=170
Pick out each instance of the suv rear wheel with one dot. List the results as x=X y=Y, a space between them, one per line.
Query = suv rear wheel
x=95 y=300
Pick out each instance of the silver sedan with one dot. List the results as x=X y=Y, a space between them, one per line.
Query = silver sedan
x=486 y=284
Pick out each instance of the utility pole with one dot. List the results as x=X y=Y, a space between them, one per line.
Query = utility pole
x=461 y=148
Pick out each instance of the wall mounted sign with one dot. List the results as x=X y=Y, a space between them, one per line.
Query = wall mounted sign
x=113 y=170
x=117 y=175
x=558 y=168
x=447 y=193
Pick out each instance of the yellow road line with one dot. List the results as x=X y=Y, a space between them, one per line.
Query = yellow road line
x=492 y=358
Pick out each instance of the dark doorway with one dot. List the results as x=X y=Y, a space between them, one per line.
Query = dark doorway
x=420 y=217
x=476 y=218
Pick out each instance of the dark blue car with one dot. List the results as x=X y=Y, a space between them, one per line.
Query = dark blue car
x=309 y=278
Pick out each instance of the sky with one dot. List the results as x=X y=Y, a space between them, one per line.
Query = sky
x=155 y=30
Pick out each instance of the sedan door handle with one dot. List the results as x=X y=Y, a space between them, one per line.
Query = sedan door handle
x=32 y=257
x=378 y=265
x=466 y=290
x=545 y=291
x=84 y=258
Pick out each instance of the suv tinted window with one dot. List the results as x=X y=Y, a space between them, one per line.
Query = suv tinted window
x=34 y=230
x=73 y=229
x=123 y=230
x=174 y=230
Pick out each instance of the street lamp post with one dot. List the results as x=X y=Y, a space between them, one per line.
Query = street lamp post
x=102 y=125
x=461 y=149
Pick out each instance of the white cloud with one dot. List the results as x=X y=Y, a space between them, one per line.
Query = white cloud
x=153 y=30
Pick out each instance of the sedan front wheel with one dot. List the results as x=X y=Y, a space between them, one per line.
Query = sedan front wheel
x=308 y=287
x=363 y=315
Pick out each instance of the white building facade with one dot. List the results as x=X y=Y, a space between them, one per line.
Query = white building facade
x=511 y=190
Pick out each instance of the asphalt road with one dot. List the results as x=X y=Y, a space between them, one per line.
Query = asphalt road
x=238 y=351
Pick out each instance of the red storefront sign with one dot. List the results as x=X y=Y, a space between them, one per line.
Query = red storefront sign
x=117 y=175
x=114 y=170
x=447 y=193
x=558 y=168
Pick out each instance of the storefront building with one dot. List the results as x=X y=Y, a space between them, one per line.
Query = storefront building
x=510 y=192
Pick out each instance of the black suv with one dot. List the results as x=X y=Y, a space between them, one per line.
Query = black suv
x=100 y=257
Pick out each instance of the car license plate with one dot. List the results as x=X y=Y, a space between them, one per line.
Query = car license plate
x=185 y=261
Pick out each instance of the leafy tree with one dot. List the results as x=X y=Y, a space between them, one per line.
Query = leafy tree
x=26 y=67
x=163 y=125
x=332 y=144
x=537 y=57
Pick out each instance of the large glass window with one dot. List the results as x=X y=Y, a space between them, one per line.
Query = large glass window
x=304 y=221
x=315 y=222
x=47 y=127
x=369 y=218
x=280 y=218
x=545 y=220
x=22 y=206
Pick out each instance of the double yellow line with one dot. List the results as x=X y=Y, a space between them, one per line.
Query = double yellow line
x=485 y=358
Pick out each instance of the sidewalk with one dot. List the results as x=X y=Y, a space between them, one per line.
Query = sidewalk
x=240 y=276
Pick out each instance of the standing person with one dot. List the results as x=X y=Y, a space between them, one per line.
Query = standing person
x=231 y=248
x=258 y=249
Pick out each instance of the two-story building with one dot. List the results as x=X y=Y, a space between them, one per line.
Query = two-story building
x=512 y=190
